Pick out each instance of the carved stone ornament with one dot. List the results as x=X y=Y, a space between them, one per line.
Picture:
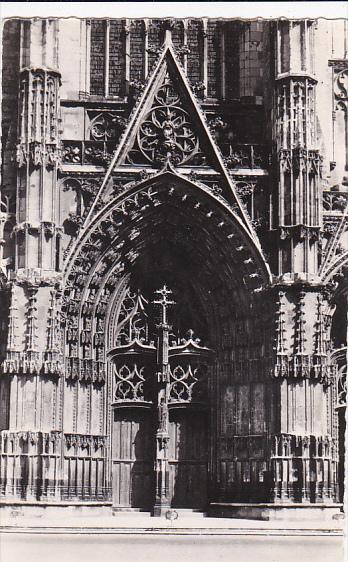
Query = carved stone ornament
x=330 y=227
x=182 y=383
x=198 y=88
x=335 y=201
x=39 y=106
x=53 y=155
x=75 y=221
x=21 y=155
x=285 y=160
x=98 y=155
x=163 y=415
x=153 y=50
x=106 y=126
x=72 y=153
x=129 y=383
x=48 y=228
x=341 y=85
x=237 y=159
x=341 y=381
x=36 y=154
x=136 y=86
x=183 y=50
x=167 y=134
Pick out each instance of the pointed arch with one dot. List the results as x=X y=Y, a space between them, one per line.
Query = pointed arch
x=168 y=63
x=169 y=178
x=168 y=207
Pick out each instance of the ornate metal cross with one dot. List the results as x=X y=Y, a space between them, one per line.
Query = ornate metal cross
x=164 y=302
x=162 y=503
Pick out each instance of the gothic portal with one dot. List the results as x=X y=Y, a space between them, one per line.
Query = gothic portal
x=174 y=264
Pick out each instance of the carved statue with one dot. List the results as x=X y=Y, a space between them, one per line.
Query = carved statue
x=163 y=416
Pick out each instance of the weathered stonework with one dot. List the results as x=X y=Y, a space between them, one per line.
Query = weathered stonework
x=173 y=252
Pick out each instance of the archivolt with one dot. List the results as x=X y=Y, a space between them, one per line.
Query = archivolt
x=338 y=264
x=165 y=210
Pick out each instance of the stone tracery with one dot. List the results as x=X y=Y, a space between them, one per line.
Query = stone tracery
x=193 y=224
x=166 y=134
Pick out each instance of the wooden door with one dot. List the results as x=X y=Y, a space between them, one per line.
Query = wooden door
x=133 y=459
x=188 y=459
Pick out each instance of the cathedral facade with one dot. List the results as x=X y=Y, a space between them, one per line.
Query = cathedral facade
x=174 y=261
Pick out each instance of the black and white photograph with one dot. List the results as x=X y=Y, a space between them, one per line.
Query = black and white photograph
x=173 y=281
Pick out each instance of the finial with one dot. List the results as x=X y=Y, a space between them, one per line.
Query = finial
x=168 y=25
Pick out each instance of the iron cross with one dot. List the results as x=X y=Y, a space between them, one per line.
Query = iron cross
x=164 y=302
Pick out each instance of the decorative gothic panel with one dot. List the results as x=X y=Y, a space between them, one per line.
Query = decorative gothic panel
x=167 y=133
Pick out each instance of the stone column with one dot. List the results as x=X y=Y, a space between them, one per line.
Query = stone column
x=298 y=169
x=32 y=366
x=303 y=447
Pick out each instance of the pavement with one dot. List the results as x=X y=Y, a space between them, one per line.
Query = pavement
x=130 y=537
x=101 y=547
x=143 y=523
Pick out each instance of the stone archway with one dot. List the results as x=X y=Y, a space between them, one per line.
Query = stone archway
x=169 y=230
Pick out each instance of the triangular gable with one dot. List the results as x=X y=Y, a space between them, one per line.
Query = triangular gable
x=167 y=124
x=169 y=128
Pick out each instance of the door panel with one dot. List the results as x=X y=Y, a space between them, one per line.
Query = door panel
x=132 y=460
x=188 y=459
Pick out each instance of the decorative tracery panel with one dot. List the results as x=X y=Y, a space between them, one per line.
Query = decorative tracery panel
x=167 y=133
x=129 y=383
x=134 y=360
x=132 y=319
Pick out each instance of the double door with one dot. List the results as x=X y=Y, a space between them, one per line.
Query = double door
x=133 y=458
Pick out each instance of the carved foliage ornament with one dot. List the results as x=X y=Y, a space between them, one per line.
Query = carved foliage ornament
x=335 y=201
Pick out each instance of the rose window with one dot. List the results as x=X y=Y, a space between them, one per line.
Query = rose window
x=167 y=134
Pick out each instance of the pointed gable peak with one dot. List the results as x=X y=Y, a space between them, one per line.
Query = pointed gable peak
x=168 y=128
x=165 y=124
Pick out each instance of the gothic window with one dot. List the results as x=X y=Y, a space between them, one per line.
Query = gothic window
x=167 y=131
x=250 y=59
x=155 y=40
x=284 y=53
x=9 y=247
x=137 y=51
x=214 y=59
x=134 y=355
x=195 y=56
x=231 y=59
x=98 y=28
x=178 y=34
x=117 y=58
x=123 y=52
x=108 y=57
x=342 y=134
x=21 y=250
